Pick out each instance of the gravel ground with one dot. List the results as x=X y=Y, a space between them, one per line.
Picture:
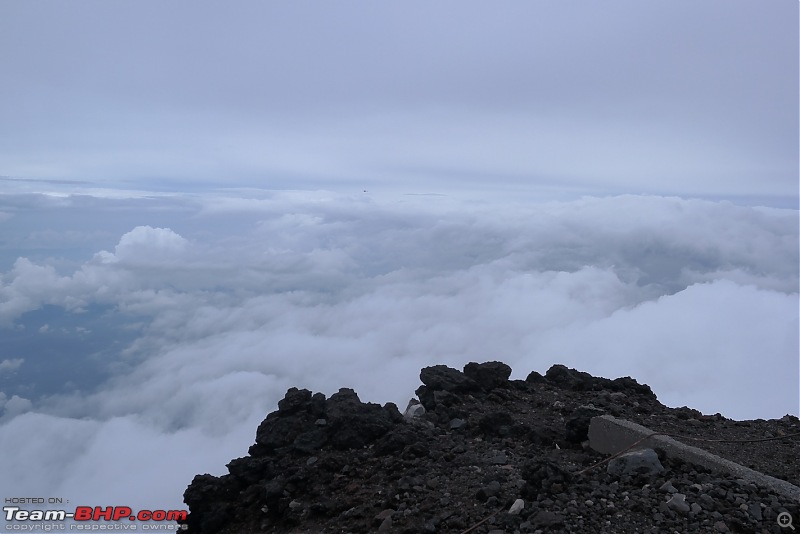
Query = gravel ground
x=483 y=445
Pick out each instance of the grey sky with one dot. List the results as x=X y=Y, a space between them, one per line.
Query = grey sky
x=678 y=97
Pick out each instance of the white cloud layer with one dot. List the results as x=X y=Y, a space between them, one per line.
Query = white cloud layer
x=10 y=365
x=241 y=298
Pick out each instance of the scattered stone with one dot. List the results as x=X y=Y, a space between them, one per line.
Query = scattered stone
x=667 y=487
x=755 y=511
x=497 y=458
x=457 y=423
x=384 y=514
x=678 y=503
x=706 y=501
x=414 y=409
x=640 y=462
x=490 y=490
x=386 y=525
x=548 y=519
x=517 y=507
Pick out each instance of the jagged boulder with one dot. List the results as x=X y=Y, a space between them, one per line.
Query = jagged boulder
x=571 y=379
x=441 y=377
x=574 y=380
x=209 y=498
x=488 y=375
x=295 y=420
x=295 y=400
x=534 y=377
x=630 y=385
x=353 y=424
x=305 y=423
x=443 y=386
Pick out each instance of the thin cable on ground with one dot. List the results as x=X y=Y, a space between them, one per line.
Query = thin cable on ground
x=637 y=442
x=675 y=436
x=482 y=521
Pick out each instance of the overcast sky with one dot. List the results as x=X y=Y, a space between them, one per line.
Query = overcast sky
x=667 y=97
x=202 y=205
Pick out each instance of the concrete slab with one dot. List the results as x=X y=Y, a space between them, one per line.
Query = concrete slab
x=609 y=435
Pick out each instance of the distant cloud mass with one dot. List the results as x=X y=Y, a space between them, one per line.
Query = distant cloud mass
x=10 y=365
x=239 y=298
x=147 y=244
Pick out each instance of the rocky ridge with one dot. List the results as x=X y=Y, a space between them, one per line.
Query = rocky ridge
x=480 y=453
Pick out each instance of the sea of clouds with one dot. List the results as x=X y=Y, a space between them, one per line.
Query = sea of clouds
x=222 y=302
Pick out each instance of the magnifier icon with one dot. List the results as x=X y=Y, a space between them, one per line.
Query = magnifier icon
x=785 y=520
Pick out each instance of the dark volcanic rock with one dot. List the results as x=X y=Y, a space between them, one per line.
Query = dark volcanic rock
x=447 y=379
x=534 y=377
x=209 y=498
x=294 y=401
x=640 y=462
x=497 y=424
x=567 y=378
x=484 y=442
x=352 y=424
x=488 y=375
x=540 y=476
x=306 y=423
x=577 y=426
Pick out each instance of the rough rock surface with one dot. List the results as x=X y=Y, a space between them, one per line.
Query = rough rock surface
x=483 y=445
x=637 y=462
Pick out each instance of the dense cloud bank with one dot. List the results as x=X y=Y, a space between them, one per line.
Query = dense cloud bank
x=233 y=300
